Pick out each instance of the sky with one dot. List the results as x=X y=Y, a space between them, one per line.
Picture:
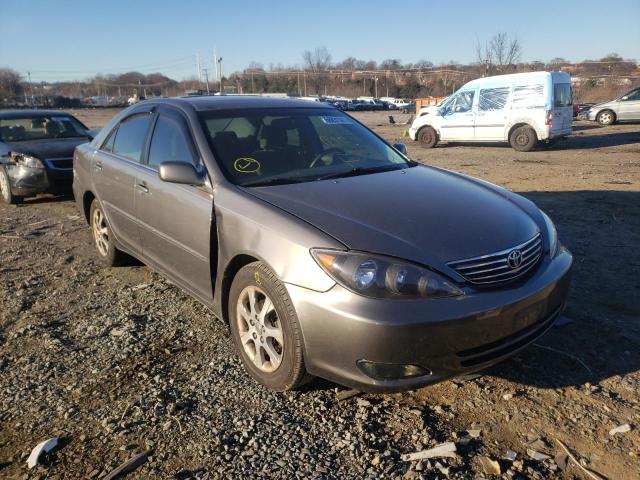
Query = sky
x=76 y=39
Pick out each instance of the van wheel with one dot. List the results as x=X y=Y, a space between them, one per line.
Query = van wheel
x=265 y=329
x=523 y=139
x=606 y=117
x=5 y=189
x=108 y=254
x=428 y=137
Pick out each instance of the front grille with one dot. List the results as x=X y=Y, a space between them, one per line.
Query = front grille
x=495 y=267
x=60 y=163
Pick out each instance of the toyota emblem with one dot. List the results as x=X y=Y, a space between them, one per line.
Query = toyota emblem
x=514 y=259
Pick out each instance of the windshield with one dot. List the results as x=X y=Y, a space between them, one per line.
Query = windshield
x=40 y=128
x=268 y=146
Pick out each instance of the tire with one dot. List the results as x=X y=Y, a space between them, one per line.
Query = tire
x=5 y=190
x=108 y=254
x=277 y=330
x=427 y=137
x=606 y=117
x=523 y=139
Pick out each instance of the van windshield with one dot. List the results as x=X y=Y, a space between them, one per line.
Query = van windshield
x=258 y=147
x=562 y=95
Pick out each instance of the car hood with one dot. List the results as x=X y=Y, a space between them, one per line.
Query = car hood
x=423 y=214
x=52 y=148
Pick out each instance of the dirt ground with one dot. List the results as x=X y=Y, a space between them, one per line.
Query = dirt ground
x=118 y=361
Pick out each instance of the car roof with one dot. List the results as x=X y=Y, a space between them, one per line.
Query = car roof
x=230 y=102
x=33 y=113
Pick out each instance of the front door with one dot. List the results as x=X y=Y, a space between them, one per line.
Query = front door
x=177 y=226
x=491 y=116
x=457 y=118
x=629 y=106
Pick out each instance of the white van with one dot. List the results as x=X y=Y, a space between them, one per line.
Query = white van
x=522 y=109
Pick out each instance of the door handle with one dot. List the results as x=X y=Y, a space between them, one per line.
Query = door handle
x=142 y=187
x=97 y=167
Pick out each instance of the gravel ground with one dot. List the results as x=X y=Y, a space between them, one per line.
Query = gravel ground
x=116 y=362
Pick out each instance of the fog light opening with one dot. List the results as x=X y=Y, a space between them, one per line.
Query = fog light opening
x=391 y=371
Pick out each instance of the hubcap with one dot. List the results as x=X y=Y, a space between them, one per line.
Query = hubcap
x=100 y=232
x=606 y=118
x=260 y=329
x=4 y=186
x=522 y=139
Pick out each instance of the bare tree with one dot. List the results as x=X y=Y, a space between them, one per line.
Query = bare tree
x=10 y=83
x=318 y=60
x=499 y=52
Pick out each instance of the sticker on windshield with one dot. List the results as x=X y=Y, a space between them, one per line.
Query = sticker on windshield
x=336 y=120
x=246 y=165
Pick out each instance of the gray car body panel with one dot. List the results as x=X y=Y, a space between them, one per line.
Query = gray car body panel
x=422 y=214
x=623 y=109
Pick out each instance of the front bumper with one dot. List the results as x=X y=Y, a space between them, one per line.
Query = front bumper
x=26 y=182
x=447 y=337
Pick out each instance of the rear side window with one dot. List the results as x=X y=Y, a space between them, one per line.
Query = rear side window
x=493 y=98
x=562 y=95
x=170 y=143
x=528 y=96
x=130 y=137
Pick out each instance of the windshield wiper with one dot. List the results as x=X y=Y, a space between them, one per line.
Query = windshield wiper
x=361 y=171
x=272 y=181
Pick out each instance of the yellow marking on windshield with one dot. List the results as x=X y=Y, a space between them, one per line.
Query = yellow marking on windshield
x=246 y=165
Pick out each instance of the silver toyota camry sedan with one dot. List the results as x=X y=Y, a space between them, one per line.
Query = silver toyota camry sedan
x=327 y=251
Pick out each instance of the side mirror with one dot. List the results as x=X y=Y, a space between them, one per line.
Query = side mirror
x=401 y=147
x=180 y=172
x=624 y=98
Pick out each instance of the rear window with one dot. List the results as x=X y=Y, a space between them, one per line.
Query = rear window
x=562 y=96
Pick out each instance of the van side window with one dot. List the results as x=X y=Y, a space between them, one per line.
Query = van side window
x=170 y=142
x=493 y=98
x=528 y=96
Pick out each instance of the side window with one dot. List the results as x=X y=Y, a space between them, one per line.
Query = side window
x=528 y=96
x=107 y=146
x=632 y=95
x=463 y=102
x=170 y=143
x=129 y=140
x=493 y=99
x=562 y=95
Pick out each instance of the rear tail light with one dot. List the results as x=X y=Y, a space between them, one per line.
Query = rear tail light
x=549 y=118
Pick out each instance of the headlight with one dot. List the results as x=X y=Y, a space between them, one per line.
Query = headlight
x=26 y=160
x=383 y=277
x=552 y=233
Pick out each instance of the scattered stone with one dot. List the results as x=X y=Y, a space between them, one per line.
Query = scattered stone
x=507 y=396
x=345 y=394
x=128 y=466
x=537 y=455
x=510 y=455
x=489 y=466
x=474 y=433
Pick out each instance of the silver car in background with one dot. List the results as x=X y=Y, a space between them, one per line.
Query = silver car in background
x=326 y=250
x=625 y=107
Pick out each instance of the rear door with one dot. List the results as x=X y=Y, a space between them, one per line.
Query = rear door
x=176 y=226
x=629 y=106
x=491 y=114
x=115 y=167
x=562 y=111
x=457 y=117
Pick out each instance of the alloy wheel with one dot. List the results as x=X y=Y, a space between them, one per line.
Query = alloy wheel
x=100 y=232
x=260 y=329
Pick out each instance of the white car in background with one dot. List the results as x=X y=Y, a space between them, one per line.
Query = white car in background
x=522 y=109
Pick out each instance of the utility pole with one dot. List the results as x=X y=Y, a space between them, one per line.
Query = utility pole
x=198 y=66
x=206 y=77
x=31 y=88
x=215 y=64
x=298 y=83
x=376 y=85
x=253 y=88
x=305 y=84
x=220 y=72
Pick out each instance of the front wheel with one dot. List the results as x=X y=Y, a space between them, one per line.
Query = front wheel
x=523 y=139
x=428 y=137
x=265 y=329
x=5 y=189
x=606 y=117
